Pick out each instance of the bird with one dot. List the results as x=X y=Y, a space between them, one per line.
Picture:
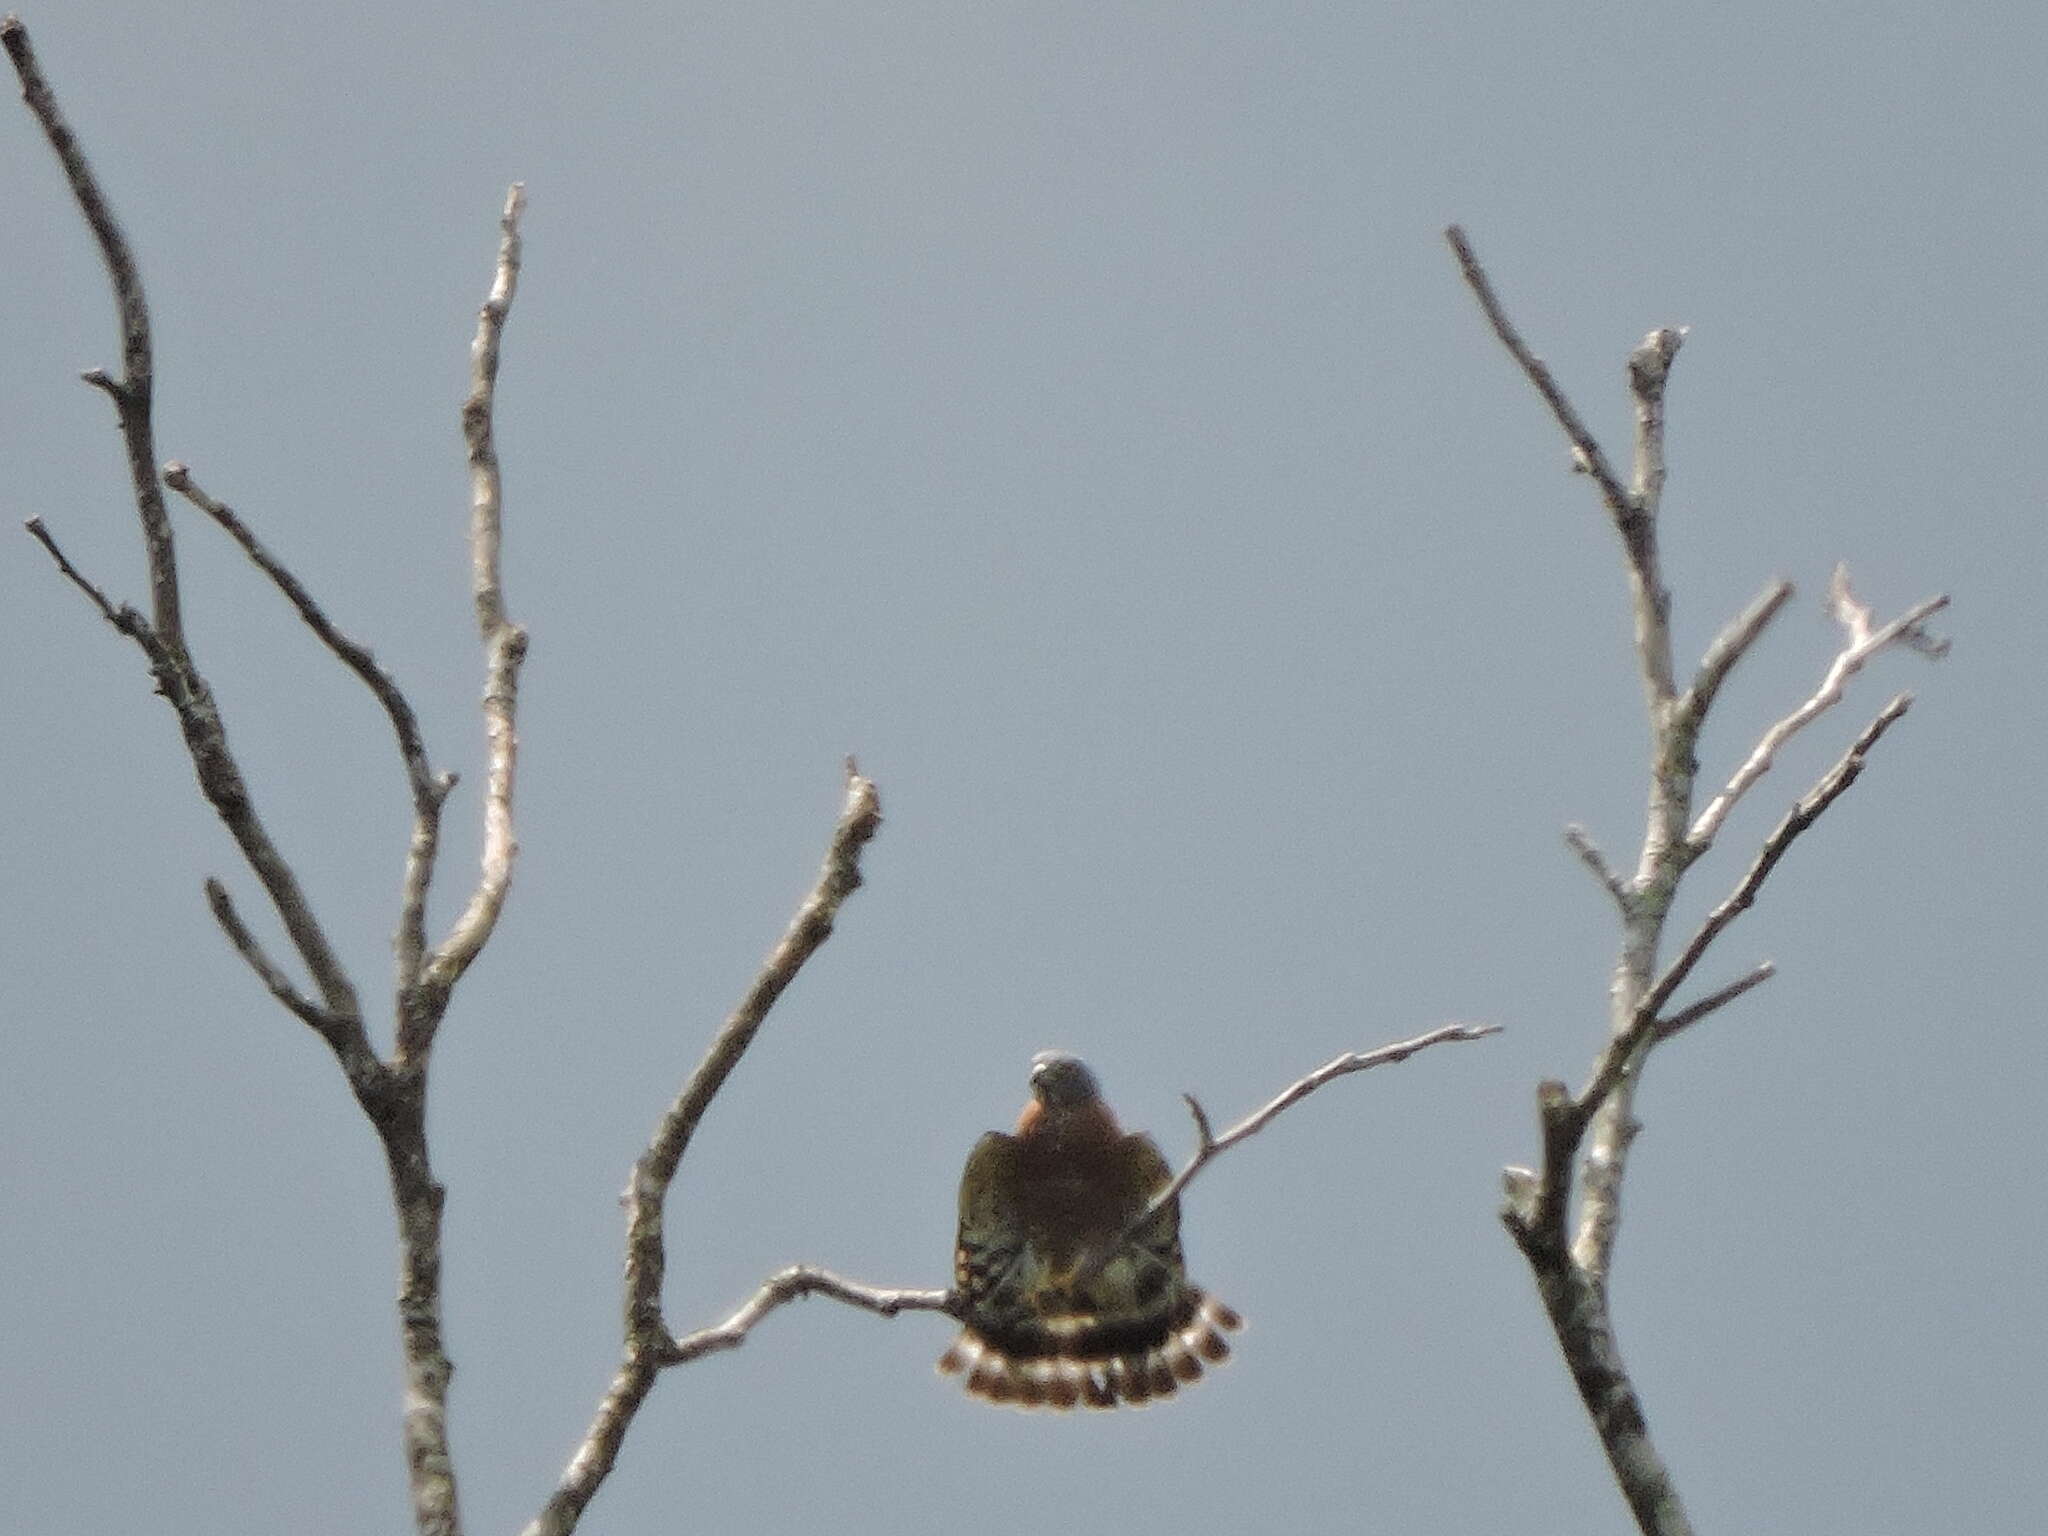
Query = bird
x=1067 y=1293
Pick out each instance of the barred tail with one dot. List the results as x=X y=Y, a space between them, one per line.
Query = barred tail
x=1070 y=1377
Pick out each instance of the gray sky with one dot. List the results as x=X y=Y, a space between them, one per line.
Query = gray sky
x=1073 y=410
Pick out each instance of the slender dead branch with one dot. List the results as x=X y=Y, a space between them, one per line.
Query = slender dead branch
x=1209 y=1147
x=124 y=618
x=1714 y=1001
x=356 y=657
x=1580 y=841
x=267 y=970
x=504 y=651
x=1586 y=453
x=1730 y=646
x=1864 y=642
x=485 y=484
x=649 y=1345
x=428 y=789
x=788 y=1285
x=1633 y=511
x=859 y=819
x=133 y=391
x=405 y=725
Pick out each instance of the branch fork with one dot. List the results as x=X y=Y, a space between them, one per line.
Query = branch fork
x=391 y=1092
x=1586 y=1135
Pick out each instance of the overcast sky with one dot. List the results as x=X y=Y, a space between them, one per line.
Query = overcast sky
x=1073 y=410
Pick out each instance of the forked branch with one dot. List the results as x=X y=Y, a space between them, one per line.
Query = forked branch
x=1586 y=1136
x=649 y=1345
x=392 y=1093
x=132 y=392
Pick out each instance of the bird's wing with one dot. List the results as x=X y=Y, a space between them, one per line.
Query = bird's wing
x=991 y=1237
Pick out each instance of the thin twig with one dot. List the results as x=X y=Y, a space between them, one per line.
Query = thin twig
x=1208 y=1146
x=405 y=725
x=859 y=819
x=648 y=1343
x=504 y=650
x=267 y=970
x=788 y=1285
x=1713 y=1002
x=124 y=618
x=1586 y=453
x=1731 y=645
x=1580 y=841
x=1633 y=511
x=485 y=487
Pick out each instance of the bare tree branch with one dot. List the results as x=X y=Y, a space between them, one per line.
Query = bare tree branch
x=356 y=657
x=504 y=650
x=393 y=1095
x=1580 y=841
x=1577 y=1306
x=1713 y=1002
x=648 y=1343
x=1634 y=512
x=424 y=987
x=1208 y=1147
x=1587 y=456
x=124 y=618
x=1730 y=646
x=132 y=392
x=1863 y=642
x=267 y=970
x=1648 y=368
x=1586 y=1137
x=163 y=639
x=788 y=1285
x=1803 y=814
x=428 y=788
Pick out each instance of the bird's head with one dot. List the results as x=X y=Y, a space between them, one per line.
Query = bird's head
x=1063 y=1082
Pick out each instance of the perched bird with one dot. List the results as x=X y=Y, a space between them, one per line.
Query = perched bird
x=1062 y=1303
